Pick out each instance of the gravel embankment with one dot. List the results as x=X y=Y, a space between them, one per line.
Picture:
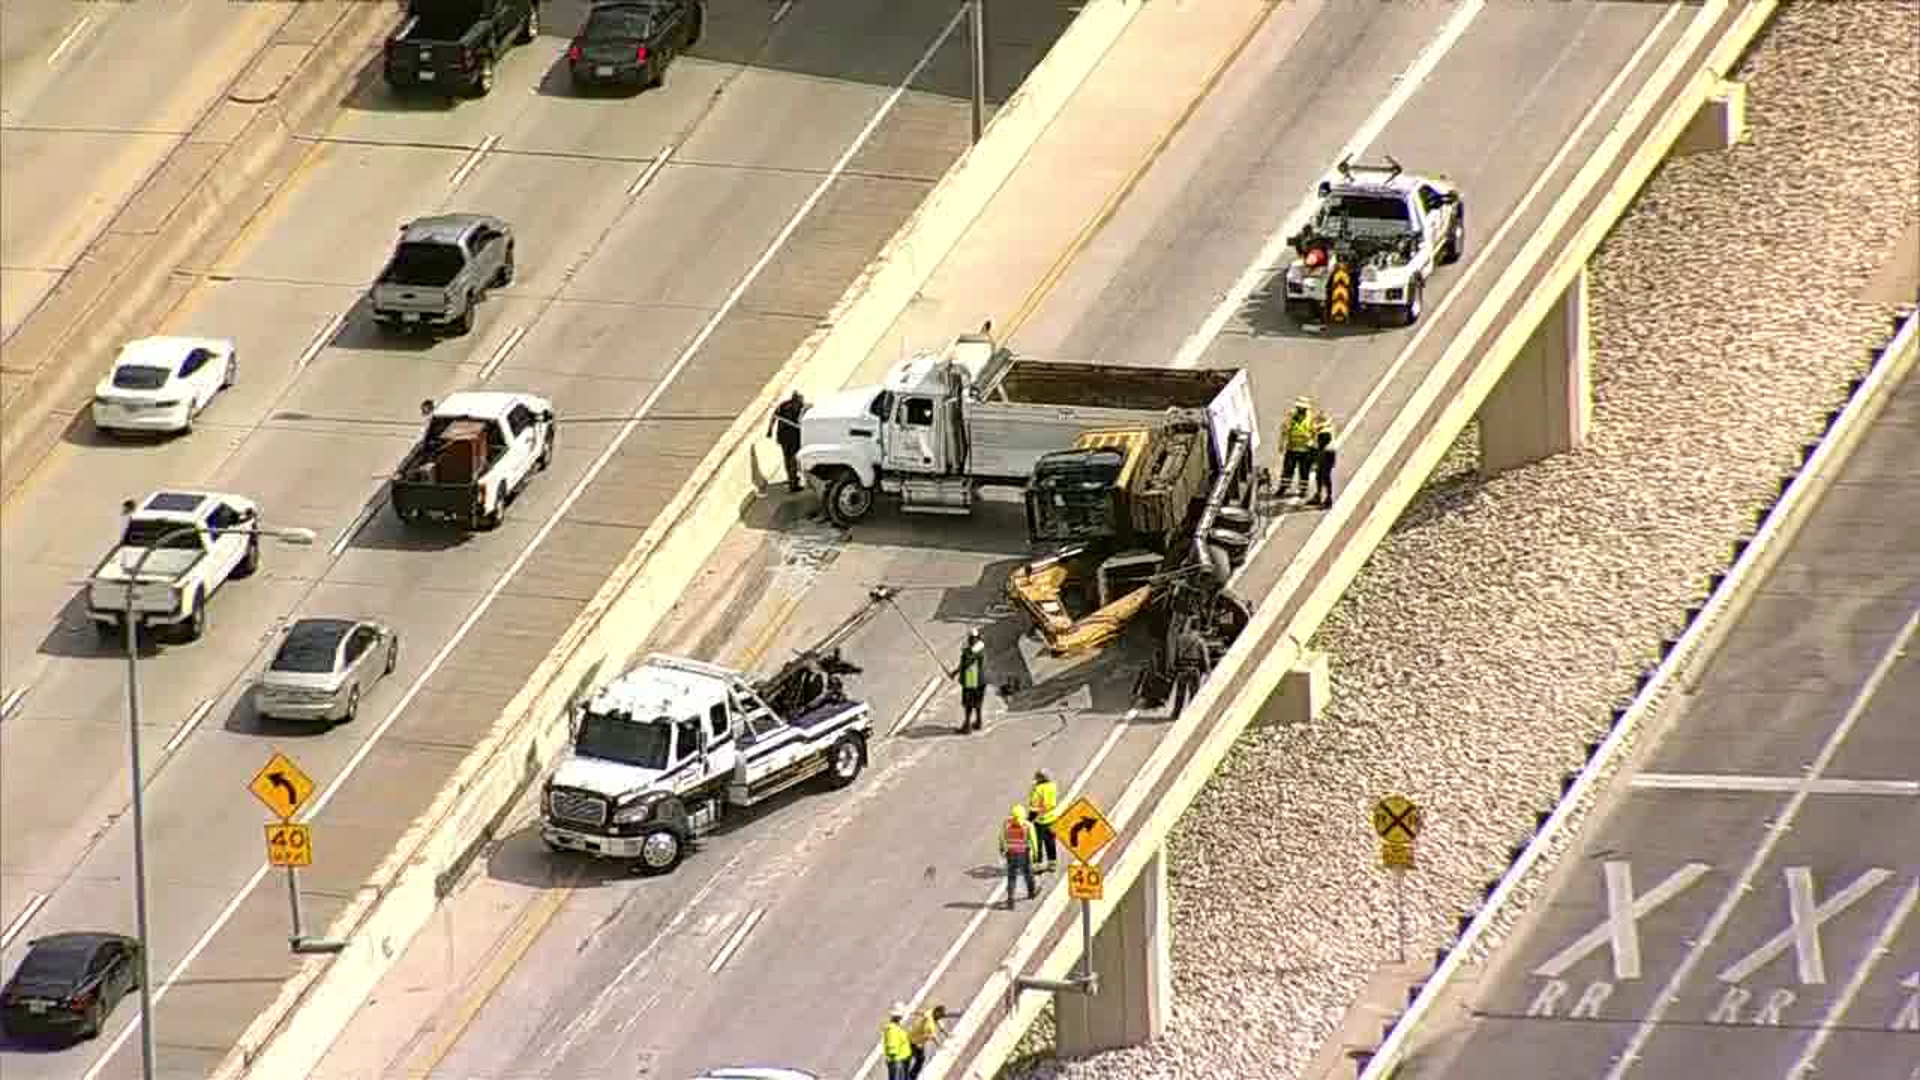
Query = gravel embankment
x=1486 y=641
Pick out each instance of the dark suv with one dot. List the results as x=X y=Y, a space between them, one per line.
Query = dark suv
x=631 y=42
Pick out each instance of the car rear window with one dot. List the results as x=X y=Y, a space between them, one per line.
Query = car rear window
x=310 y=648
x=140 y=377
x=146 y=533
x=426 y=263
x=55 y=963
x=1369 y=208
x=620 y=23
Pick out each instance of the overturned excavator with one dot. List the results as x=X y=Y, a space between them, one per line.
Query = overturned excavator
x=1147 y=521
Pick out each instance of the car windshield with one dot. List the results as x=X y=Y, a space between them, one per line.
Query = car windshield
x=420 y=263
x=177 y=535
x=615 y=737
x=55 y=963
x=1375 y=209
x=619 y=23
x=140 y=377
x=310 y=648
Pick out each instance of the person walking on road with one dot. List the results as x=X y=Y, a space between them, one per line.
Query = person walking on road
x=785 y=427
x=1016 y=846
x=1043 y=803
x=1324 y=457
x=924 y=1033
x=894 y=1044
x=1296 y=441
x=972 y=677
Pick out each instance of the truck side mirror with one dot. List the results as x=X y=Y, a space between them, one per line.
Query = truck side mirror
x=1326 y=188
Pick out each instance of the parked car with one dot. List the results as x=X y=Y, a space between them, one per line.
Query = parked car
x=441 y=268
x=453 y=45
x=162 y=383
x=68 y=984
x=631 y=42
x=324 y=667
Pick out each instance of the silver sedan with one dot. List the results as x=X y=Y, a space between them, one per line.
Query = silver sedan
x=324 y=667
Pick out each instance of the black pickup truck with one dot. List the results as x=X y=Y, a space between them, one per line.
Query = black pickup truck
x=452 y=45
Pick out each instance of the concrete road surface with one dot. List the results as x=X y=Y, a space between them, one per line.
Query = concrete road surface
x=93 y=96
x=674 y=247
x=782 y=941
x=1743 y=905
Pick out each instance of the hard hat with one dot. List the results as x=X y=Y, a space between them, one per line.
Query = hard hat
x=1041 y=774
x=1019 y=811
x=899 y=1010
x=973 y=633
x=1303 y=402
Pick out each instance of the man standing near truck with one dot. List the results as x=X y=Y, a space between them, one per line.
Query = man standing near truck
x=1043 y=806
x=785 y=427
x=972 y=677
x=1016 y=846
x=1304 y=423
x=895 y=1046
x=1324 y=458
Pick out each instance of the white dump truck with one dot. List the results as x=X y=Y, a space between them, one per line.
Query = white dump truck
x=184 y=545
x=665 y=751
x=950 y=421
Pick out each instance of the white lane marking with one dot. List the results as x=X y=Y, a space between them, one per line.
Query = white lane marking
x=653 y=169
x=1477 y=262
x=73 y=35
x=733 y=943
x=1405 y=85
x=781 y=11
x=560 y=512
x=347 y=534
x=473 y=160
x=34 y=904
x=13 y=701
x=1779 y=785
x=1492 y=243
x=919 y=702
x=1670 y=993
x=1805 y=914
x=994 y=896
x=1621 y=928
x=1882 y=944
x=500 y=354
x=319 y=342
x=193 y=720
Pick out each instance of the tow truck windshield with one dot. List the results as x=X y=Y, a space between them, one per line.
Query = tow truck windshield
x=616 y=737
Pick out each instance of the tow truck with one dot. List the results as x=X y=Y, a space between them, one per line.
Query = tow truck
x=666 y=751
x=1376 y=237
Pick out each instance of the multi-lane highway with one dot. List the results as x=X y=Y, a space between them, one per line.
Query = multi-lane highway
x=93 y=96
x=673 y=248
x=782 y=943
x=1743 y=904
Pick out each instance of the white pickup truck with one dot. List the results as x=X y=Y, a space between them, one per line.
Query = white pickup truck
x=186 y=545
x=951 y=421
x=479 y=450
x=663 y=752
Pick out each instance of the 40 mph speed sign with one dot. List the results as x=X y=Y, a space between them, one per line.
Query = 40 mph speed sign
x=290 y=844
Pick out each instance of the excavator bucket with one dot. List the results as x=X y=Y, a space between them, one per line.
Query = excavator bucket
x=1037 y=588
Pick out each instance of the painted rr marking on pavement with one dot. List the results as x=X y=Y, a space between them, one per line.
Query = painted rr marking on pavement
x=19 y=923
x=473 y=160
x=1624 y=912
x=1669 y=993
x=735 y=941
x=1806 y=915
x=193 y=720
x=1882 y=944
x=1776 y=785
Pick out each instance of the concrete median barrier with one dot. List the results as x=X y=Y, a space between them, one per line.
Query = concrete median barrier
x=194 y=204
x=291 y=1035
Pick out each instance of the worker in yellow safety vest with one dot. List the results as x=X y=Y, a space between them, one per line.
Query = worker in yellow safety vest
x=895 y=1046
x=1303 y=426
x=1016 y=846
x=972 y=677
x=925 y=1034
x=1043 y=806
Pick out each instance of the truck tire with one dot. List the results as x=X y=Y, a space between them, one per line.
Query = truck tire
x=249 y=562
x=196 y=624
x=546 y=453
x=845 y=759
x=1456 y=238
x=109 y=632
x=531 y=28
x=483 y=78
x=699 y=24
x=660 y=851
x=1409 y=312
x=491 y=520
x=504 y=277
x=848 y=500
x=463 y=325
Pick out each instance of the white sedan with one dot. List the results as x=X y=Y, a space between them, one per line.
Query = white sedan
x=162 y=383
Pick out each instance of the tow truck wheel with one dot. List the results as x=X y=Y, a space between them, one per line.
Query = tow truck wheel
x=845 y=761
x=249 y=562
x=1456 y=237
x=660 y=851
x=1410 y=312
x=848 y=500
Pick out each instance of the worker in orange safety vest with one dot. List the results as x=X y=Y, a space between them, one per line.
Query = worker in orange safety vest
x=1017 y=842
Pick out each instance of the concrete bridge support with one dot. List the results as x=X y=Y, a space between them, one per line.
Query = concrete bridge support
x=1721 y=123
x=1543 y=404
x=1133 y=956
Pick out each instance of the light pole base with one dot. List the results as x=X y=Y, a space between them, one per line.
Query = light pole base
x=306 y=946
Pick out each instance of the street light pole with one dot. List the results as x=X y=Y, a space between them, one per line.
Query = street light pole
x=132 y=621
x=977 y=33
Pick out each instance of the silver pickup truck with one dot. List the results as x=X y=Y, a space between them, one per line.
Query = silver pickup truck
x=441 y=268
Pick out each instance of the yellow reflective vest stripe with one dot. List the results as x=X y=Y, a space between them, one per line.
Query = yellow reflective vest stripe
x=1042 y=801
x=894 y=1042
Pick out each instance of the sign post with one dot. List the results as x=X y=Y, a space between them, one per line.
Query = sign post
x=1396 y=821
x=1085 y=832
x=283 y=789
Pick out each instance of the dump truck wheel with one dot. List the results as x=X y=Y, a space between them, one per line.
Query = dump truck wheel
x=848 y=500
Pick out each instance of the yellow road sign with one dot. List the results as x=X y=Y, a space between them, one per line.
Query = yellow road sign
x=1085 y=882
x=290 y=844
x=1083 y=829
x=1396 y=855
x=281 y=786
x=1339 y=293
x=1396 y=818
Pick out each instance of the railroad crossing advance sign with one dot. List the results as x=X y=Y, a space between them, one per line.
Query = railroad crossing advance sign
x=1083 y=829
x=1396 y=855
x=1396 y=820
x=1085 y=882
x=281 y=786
x=290 y=844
